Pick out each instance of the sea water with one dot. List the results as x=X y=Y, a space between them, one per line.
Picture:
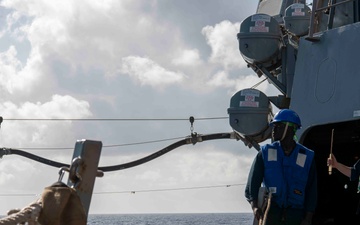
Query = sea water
x=172 y=219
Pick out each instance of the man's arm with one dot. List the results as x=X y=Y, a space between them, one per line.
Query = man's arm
x=255 y=178
x=332 y=161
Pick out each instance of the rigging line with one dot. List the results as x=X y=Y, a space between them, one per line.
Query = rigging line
x=167 y=189
x=112 y=119
x=105 y=146
x=140 y=143
x=254 y=86
x=137 y=191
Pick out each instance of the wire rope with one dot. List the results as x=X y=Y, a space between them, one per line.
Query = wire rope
x=134 y=191
x=112 y=119
x=105 y=146
x=104 y=119
x=168 y=189
x=255 y=85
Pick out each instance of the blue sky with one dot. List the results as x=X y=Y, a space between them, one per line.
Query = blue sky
x=140 y=59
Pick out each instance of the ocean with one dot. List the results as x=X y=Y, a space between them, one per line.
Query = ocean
x=172 y=219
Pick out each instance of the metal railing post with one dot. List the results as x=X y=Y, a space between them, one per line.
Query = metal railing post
x=82 y=175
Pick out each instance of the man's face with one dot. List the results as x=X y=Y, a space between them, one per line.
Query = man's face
x=278 y=130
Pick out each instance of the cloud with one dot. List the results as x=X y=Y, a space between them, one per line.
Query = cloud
x=224 y=45
x=188 y=57
x=187 y=167
x=207 y=164
x=18 y=80
x=91 y=34
x=222 y=79
x=9 y=168
x=87 y=36
x=147 y=72
x=149 y=176
x=78 y=48
x=33 y=133
x=203 y=164
x=9 y=65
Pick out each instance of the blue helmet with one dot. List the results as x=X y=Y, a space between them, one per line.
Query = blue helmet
x=287 y=115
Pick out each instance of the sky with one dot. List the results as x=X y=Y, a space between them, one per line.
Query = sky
x=144 y=59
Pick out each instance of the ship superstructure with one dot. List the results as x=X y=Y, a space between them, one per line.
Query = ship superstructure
x=309 y=52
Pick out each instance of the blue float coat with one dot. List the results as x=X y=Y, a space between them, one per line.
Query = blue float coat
x=257 y=174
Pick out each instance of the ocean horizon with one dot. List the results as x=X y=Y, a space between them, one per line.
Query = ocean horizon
x=172 y=219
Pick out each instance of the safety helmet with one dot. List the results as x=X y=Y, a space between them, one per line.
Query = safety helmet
x=287 y=115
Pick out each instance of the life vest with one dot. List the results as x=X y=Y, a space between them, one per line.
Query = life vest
x=286 y=176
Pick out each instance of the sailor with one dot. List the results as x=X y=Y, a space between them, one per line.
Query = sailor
x=352 y=172
x=287 y=170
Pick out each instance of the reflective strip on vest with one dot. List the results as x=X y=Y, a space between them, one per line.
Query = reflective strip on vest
x=301 y=159
x=272 y=154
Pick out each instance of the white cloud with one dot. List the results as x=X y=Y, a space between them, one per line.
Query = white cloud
x=9 y=65
x=188 y=57
x=224 y=45
x=9 y=168
x=149 y=176
x=94 y=35
x=147 y=72
x=18 y=78
x=73 y=46
x=222 y=79
x=207 y=165
x=188 y=167
x=39 y=134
